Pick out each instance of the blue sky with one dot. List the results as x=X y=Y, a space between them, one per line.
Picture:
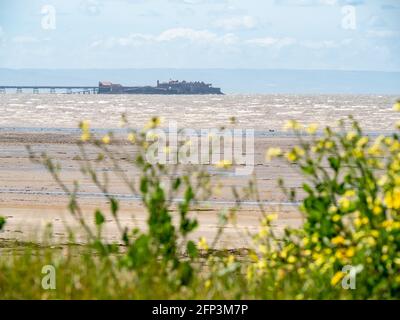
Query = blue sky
x=288 y=34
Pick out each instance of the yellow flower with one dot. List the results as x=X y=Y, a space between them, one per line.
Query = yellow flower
x=292 y=125
x=85 y=136
x=271 y=217
x=85 y=128
x=253 y=256
x=338 y=240
x=291 y=156
x=131 y=137
x=392 y=198
x=344 y=203
x=230 y=260
x=383 y=180
x=336 y=218
x=291 y=259
x=396 y=106
x=388 y=141
x=332 y=209
x=377 y=210
x=299 y=151
x=375 y=233
x=362 y=142
x=350 y=252
x=85 y=125
x=395 y=146
x=339 y=254
x=328 y=144
x=249 y=273
x=202 y=244
x=223 y=164
x=351 y=135
x=375 y=150
x=263 y=249
x=262 y=264
x=358 y=153
x=153 y=123
x=336 y=278
x=314 y=238
x=207 y=284
x=106 y=139
x=312 y=128
x=350 y=193
x=272 y=153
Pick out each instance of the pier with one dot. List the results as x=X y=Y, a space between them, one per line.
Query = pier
x=50 y=89
x=107 y=87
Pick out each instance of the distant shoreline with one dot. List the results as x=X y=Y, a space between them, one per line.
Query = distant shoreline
x=237 y=81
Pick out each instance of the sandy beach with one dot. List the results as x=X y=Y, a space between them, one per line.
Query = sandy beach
x=30 y=199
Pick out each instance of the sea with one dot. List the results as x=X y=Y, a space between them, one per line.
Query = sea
x=266 y=114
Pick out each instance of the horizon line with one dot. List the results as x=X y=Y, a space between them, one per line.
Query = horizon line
x=199 y=69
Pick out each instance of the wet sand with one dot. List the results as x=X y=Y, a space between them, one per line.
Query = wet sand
x=30 y=199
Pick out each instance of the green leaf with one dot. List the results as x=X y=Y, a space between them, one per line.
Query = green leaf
x=189 y=195
x=177 y=183
x=99 y=217
x=308 y=189
x=2 y=222
x=114 y=206
x=334 y=163
x=191 y=249
x=72 y=205
x=144 y=185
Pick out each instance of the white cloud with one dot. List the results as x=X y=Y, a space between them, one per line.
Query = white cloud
x=25 y=39
x=272 y=42
x=301 y=3
x=170 y=35
x=383 y=33
x=233 y=23
x=1 y=35
x=325 y=44
x=187 y=34
x=134 y=39
x=206 y=37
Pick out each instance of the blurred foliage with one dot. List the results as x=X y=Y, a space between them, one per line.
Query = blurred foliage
x=350 y=202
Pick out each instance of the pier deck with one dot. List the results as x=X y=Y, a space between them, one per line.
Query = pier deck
x=51 y=89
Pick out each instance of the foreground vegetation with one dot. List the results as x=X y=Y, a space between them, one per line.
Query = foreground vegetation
x=348 y=247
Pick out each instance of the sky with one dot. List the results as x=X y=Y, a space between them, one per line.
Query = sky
x=255 y=34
